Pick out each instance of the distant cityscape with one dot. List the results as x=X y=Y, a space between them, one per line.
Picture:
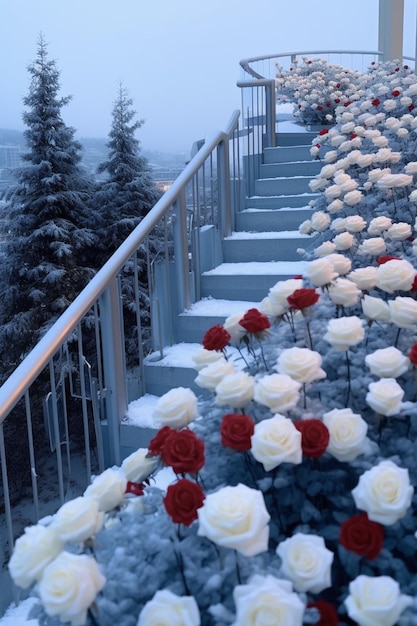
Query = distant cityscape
x=165 y=167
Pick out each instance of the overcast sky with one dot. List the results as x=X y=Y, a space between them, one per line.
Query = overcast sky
x=178 y=59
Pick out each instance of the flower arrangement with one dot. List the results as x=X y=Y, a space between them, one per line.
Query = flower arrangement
x=293 y=494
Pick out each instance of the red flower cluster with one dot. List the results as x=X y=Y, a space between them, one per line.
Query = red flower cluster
x=412 y=355
x=216 y=338
x=314 y=437
x=328 y=613
x=236 y=431
x=182 y=500
x=362 y=536
x=303 y=298
x=254 y=322
x=387 y=257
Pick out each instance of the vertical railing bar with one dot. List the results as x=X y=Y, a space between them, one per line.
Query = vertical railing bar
x=99 y=354
x=81 y=366
x=58 y=452
x=181 y=253
x=33 y=474
x=169 y=294
x=67 y=443
x=6 y=493
x=139 y=324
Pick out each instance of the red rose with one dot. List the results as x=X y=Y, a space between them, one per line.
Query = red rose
x=254 y=321
x=406 y=67
x=236 y=431
x=157 y=443
x=314 y=437
x=353 y=136
x=328 y=613
x=135 y=488
x=317 y=145
x=183 y=451
x=303 y=298
x=411 y=107
x=328 y=104
x=376 y=102
x=395 y=93
x=362 y=536
x=414 y=285
x=324 y=131
x=182 y=500
x=319 y=107
x=346 y=104
x=387 y=257
x=412 y=355
x=337 y=100
x=338 y=86
x=216 y=338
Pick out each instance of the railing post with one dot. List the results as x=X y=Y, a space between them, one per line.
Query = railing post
x=223 y=182
x=270 y=114
x=113 y=367
x=182 y=270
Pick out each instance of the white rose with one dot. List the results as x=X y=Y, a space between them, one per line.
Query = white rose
x=271 y=309
x=108 y=488
x=176 y=408
x=269 y=596
x=375 y=309
x=335 y=207
x=276 y=440
x=235 y=330
x=320 y=272
x=212 y=375
x=235 y=517
x=279 y=392
x=384 y=492
x=396 y=275
x=204 y=357
x=138 y=465
x=376 y=601
x=78 y=519
x=344 y=292
x=344 y=241
x=338 y=224
x=320 y=221
x=373 y=246
x=389 y=181
x=355 y=223
x=344 y=332
x=331 y=156
x=385 y=396
x=168 y=608
x=378 y=224
x=364 y=277
x=399 y=231
x=341 y=264
x=33 y=551
x=279 y=293
x=352 y=197
x=305 y=228
x=69 y=586
x=387 y=362
x=403 y=312
x=235 y=390
x=302 y=364
x=325 y=248
x=306 y=562
x=347 y=432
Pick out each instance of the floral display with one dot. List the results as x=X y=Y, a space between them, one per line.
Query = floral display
x=293 y=495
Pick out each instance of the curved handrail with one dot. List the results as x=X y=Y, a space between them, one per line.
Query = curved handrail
x=33 y=364
x=246 y=63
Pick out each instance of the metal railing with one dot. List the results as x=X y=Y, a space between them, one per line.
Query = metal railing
x=89 y=364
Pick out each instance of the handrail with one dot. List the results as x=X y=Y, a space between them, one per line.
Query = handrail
x=33 y=364
x=245 y=63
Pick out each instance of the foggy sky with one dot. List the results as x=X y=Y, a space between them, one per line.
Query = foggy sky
x=178 y=59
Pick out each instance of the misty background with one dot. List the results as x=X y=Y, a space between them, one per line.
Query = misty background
x=178 y=59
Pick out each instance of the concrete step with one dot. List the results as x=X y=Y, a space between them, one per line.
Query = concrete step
x=302 y=138
x=285 y=185
x=244 y=246
x=273 y=219
x=286 y=154
x=280 y=201
x=296 y=168
x=247 y=281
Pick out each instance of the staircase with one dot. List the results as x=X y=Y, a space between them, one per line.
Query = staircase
x=261 y=251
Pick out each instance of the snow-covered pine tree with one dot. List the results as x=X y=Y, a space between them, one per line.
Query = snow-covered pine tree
x=50 y=238
x=122 y=199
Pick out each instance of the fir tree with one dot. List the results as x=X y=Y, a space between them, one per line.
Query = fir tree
x=49 y=242
x=125 y=196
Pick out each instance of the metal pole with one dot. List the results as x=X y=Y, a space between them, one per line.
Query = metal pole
x=391 y=27
x=223 y=181
x=181 y=253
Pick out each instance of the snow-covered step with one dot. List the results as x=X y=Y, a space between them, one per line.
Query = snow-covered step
x=244 y=246
x=285 y=154
x=272 y=219
x=291 y=138
x=283 y=185
x=248 y=281
x=299 y=168
x=279 y=200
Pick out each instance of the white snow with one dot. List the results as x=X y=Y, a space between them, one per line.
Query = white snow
x=282 y=234
x=259 y=269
